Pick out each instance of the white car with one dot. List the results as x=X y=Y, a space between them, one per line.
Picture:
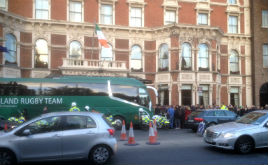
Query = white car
x=59 y=136
x=243 y=135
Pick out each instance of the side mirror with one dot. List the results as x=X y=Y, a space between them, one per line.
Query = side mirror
x=26 y=132
x=266 y=125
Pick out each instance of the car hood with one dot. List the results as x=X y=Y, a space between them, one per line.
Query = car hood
x=231 y=126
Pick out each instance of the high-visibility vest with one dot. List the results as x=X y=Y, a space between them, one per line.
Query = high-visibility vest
x=74 y=109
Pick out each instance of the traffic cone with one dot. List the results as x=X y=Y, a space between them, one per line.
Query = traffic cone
x=155 y=129
x=5 y=127
x=152 y=137
x=131 y=138
x=123 y=136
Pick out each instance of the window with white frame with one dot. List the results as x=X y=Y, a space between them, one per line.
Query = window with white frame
x=11 y=45
x=232 y=1
x=107 y=53
x=41 y=9
x=170 y=17
x=265 y=55
x=265 y=18
x=75 y=51
x=234 y=62
x=186 y=57
x=3 y=4
x=41 y=54
x=186 y=95
x=106 y=14
x=203 y=58
x=233 y=24
x=202 y=18
x=136 y=17
x=163 y=94
x=163 y=57
x=75 y=11
x=136 y=58
x=234 y=96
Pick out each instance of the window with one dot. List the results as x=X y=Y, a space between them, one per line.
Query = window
x=11 y=45
x=107 y=53
x=186 y=95
x=265 y=55
x=106 y=14
x=233 y=24
x=170 y=17
x=232 y=1
x=75 y=11
x=3 y=4
x=163 y=57
x=234 y=96
x=41 y=9
x=203 y=19
x=203 y=60
x=46 y=125
x=136 y=17
x=204 y=95
x=234 y=62
x=136 y=58
x=265 y=18
x=41 y=54
x=186 y=61
x=78 y=122
x=163 y=92
x=75 y=50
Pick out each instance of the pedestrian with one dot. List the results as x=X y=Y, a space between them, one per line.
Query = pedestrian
x=182 y=115
x=157 y=110
x=177 y=117
x=170 y=113
x=25 y=114
x=74 y=108
x=45 y=110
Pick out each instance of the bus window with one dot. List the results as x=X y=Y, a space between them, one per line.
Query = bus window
x=86 y=89
x=19 y=89
x=129 y=93
x=143 y=97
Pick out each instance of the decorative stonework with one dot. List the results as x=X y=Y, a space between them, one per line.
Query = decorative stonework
x=163 y=77
x=39 y=73
x=186 y=77
x=235 y=80
x=11 y=72
x=204 y=77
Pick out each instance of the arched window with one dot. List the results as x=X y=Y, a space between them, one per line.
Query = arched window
x=234 y=62
x=41 y=54
x=186 y=57
x=75 y=50
x=107 y=53
x=163 y=57
x=203 y=60
x=136 y=58
x=11 y=55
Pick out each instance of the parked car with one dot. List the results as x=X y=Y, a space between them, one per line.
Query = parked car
x=210 y=117
x=59 y=136
x=243 y=135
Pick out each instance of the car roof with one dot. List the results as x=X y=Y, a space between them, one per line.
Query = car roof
x=63 y=113
x=262 y=111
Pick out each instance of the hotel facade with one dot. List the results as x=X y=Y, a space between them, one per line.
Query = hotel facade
x=192 y=51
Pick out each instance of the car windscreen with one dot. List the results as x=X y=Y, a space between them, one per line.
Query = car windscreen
x=255 y=118
x=196 y=113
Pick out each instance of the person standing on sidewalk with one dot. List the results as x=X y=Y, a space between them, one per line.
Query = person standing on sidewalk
x=170 y=113
x=177 y=117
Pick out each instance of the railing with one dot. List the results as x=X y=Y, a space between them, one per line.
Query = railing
x=94 y=64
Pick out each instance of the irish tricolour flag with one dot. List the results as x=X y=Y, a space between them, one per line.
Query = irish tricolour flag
x=101 y=37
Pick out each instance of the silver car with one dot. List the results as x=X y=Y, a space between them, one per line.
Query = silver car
x=243 y=135
x=59 y=136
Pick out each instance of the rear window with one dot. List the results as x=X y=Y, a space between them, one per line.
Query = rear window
x=107 y=121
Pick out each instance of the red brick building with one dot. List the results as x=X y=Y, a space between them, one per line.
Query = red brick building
x=192 y=51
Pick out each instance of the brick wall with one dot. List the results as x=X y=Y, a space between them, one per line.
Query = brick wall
x=26 y=50
x=58 y=9
x=21 y=7
x=150 y=57
x=187 y=9
x=91 y=43
x=153 y=14
x=122 y=13
x=57 y=54
x=218 y=17
x=122 y=54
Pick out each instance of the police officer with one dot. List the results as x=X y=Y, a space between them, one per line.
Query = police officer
x=74 y=108
x=87 y=108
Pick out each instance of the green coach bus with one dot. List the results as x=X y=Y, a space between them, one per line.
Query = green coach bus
x=123 y=98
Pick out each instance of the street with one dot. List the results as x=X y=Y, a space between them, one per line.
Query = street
x=176 y=147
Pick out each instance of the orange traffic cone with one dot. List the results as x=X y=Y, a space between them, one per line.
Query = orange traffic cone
x=5 y=128
x=131 y=138
x=155 y=129
x=123 y=136
x=152 y=137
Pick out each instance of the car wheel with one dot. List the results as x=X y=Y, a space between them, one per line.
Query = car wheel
x=118 y=122
x=7 y=157
x=100 y=154
x=244 y=145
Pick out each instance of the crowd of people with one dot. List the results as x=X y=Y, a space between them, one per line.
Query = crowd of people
x=178 y=114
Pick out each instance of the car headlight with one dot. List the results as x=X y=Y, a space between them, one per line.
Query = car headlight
x=228 y=135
